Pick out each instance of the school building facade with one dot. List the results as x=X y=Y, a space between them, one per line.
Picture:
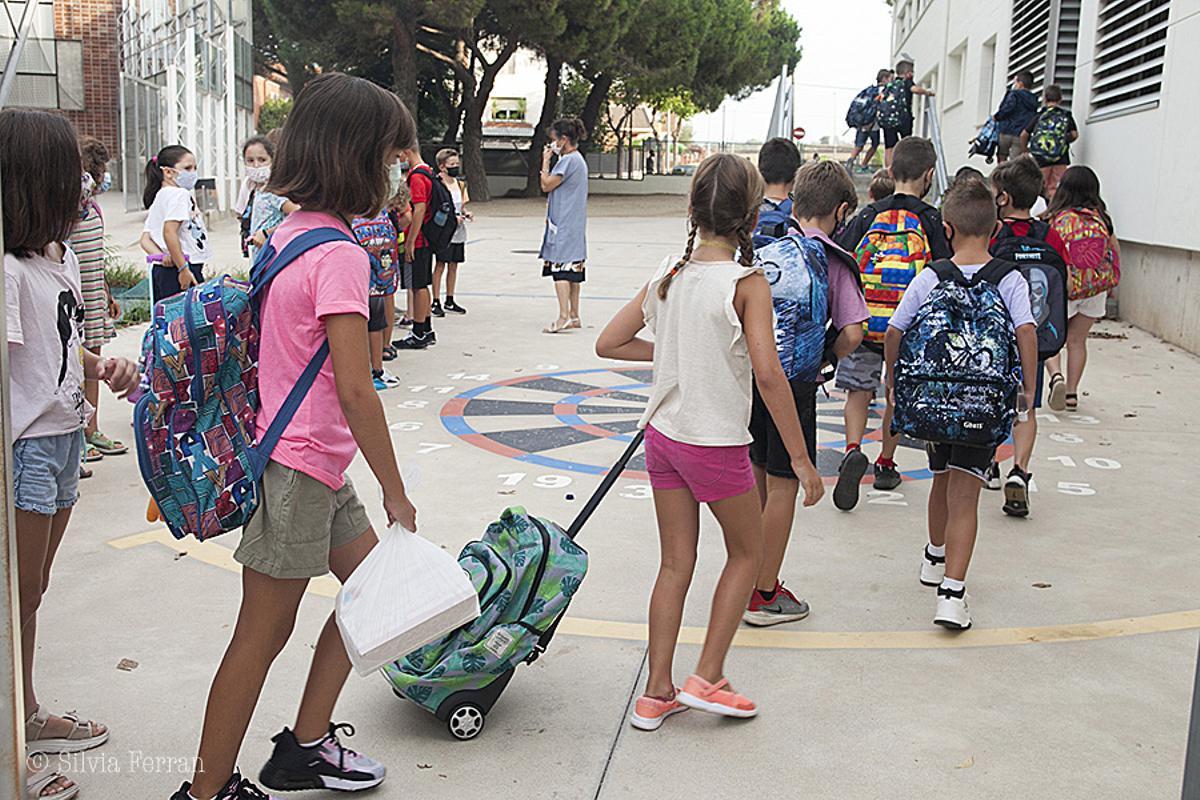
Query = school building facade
x=1127 y=68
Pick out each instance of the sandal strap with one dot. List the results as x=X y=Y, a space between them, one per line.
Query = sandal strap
x=36 y=723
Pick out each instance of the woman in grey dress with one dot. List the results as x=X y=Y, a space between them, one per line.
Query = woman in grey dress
x=564 y=243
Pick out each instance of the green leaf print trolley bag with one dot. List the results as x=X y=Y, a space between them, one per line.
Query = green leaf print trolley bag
x=526 y=570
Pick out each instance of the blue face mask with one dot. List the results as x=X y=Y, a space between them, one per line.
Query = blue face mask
x=105 y=183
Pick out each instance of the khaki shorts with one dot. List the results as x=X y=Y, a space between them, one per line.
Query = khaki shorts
x=298 y=522
x=1009 y=146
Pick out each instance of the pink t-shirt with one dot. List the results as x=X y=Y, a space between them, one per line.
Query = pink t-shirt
x=330 y=279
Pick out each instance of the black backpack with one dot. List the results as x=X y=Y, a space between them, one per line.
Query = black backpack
x=1043 y=267
x=439 y=226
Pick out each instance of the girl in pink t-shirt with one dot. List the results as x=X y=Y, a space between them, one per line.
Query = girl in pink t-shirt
x=334 y=161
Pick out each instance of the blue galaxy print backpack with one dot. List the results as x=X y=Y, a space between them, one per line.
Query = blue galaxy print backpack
x=958 y=372
x=797 y=268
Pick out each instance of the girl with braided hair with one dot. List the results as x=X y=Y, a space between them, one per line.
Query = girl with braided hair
x=712 y=320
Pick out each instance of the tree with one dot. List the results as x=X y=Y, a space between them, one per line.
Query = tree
x=273 y=114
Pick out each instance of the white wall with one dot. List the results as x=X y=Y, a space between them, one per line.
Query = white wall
x=1144 y=159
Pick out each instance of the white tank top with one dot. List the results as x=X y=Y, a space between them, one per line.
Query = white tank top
x=460 y=233
x=702 y=377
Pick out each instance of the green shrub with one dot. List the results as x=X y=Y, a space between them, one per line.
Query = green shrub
x=273 y=113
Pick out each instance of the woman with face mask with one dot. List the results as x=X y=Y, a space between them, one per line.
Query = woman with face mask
x=99 y=309
x=564 y=244
x=448 y=259
x=174 y=227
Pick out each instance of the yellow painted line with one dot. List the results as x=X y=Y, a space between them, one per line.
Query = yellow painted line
x=327 y=586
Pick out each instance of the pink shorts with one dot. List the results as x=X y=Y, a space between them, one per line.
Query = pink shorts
x=711 y=473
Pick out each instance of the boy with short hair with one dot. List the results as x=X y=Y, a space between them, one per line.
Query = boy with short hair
x=418 y=255
x=1018 y=107
x=959 y=468
x=816 y=294
x=1048 y=138
x=882 y=185
x=1016 y=185
x=895 y=108
x=892 y=240
x=778 y=160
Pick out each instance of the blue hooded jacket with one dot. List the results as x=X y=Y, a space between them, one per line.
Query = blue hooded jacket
x=1017 y=108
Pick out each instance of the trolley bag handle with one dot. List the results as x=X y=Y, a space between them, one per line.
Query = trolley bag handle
x=609 y=479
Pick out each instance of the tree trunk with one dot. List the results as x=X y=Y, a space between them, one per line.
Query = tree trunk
x=404 y=63
x=596 y=100
x=533 y=184
x=474 y=101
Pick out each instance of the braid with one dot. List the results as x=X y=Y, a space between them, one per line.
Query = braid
x=745 y=248
x=687 y=255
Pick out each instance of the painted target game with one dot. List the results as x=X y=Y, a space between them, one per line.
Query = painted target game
x=578 y=421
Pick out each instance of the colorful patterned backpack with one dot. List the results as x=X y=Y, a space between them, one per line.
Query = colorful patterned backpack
x=893 y=108
x=890 y=254
x=526 y=571
x=378 y=237
x=1050 y=139
x=958 y=371
x=797 y=268
x=195 y=424
x=1095 y=266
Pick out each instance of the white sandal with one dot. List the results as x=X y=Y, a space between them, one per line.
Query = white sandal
x=557 y=327
x=38 y=782
x=82 y=737
x=574 y=323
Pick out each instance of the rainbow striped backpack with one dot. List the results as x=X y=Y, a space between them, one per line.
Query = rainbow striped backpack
x=890 y=254
x=194 y=426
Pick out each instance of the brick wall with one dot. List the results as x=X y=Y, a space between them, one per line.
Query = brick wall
x=95 y=22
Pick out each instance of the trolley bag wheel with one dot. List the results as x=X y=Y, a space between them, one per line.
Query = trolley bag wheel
x=466 y=721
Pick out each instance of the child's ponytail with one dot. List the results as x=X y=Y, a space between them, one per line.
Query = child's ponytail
x=169 y=156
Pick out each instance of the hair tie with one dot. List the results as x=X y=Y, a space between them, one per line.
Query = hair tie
x=154 y=160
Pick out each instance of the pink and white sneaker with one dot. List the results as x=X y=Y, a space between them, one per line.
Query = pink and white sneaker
x=716 y=698
x=650 y=712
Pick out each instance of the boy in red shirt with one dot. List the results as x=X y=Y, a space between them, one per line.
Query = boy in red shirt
x=418 y=255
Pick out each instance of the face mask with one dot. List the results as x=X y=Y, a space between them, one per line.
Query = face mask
x=87 y=187
x=105 y=183
x=186 y=179
x=258 y=174
x=395 y=178
x=453 y=172
x=556 y=148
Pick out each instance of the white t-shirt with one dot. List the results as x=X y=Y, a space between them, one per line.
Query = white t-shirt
x=702 y=379
x=173 y=204
x=45 y=345
x=1014 y=289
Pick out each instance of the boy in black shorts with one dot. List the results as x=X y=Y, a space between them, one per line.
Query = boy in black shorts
x=960 y=470
x=805 y=263
x=418 y=255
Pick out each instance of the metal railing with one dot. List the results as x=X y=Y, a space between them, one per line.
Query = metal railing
x=933 y=131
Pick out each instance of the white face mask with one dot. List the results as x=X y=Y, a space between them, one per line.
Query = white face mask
x=556 y=147
x=395 y=178
x=187 y=179
x=258 y=175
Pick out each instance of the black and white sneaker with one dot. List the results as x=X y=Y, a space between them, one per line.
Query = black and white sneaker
x=1016 y=493
x=933 y=568
x=951 y=610
x=325 y=765
x=887 y=477
x=850 y=475
x=992 y=477
x=431 y=337
x=435 y=308
x=238 y=788
x=413 y=342
x=453 y=306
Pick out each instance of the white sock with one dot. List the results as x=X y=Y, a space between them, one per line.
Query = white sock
x=953 y=585
x=936 y=550
x=189 y=794
x=312 y=744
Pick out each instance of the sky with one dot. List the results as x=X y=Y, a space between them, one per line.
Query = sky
x=843 y=44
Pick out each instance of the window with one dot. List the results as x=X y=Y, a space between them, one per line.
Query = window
x=987 y=77
x=508 y=109
x=1131 y=45
x=955 y=63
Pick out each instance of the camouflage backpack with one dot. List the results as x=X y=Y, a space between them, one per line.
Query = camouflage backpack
x=1050 y=139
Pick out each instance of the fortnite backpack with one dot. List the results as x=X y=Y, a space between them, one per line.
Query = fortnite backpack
x=889 y=255
x=774 y=221
x=797 y=268
x=195 y=424
x=1046 y=273
x=1050 y=139
x=958 y=371
x=864 y=108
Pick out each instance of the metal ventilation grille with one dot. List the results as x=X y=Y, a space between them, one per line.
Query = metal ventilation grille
x=1062 y=66
x=1030 y=33
x=1131 y=45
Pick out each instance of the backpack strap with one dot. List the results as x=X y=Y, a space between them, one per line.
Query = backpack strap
x=947 y=270
x=994 y=272
x=265 y=269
